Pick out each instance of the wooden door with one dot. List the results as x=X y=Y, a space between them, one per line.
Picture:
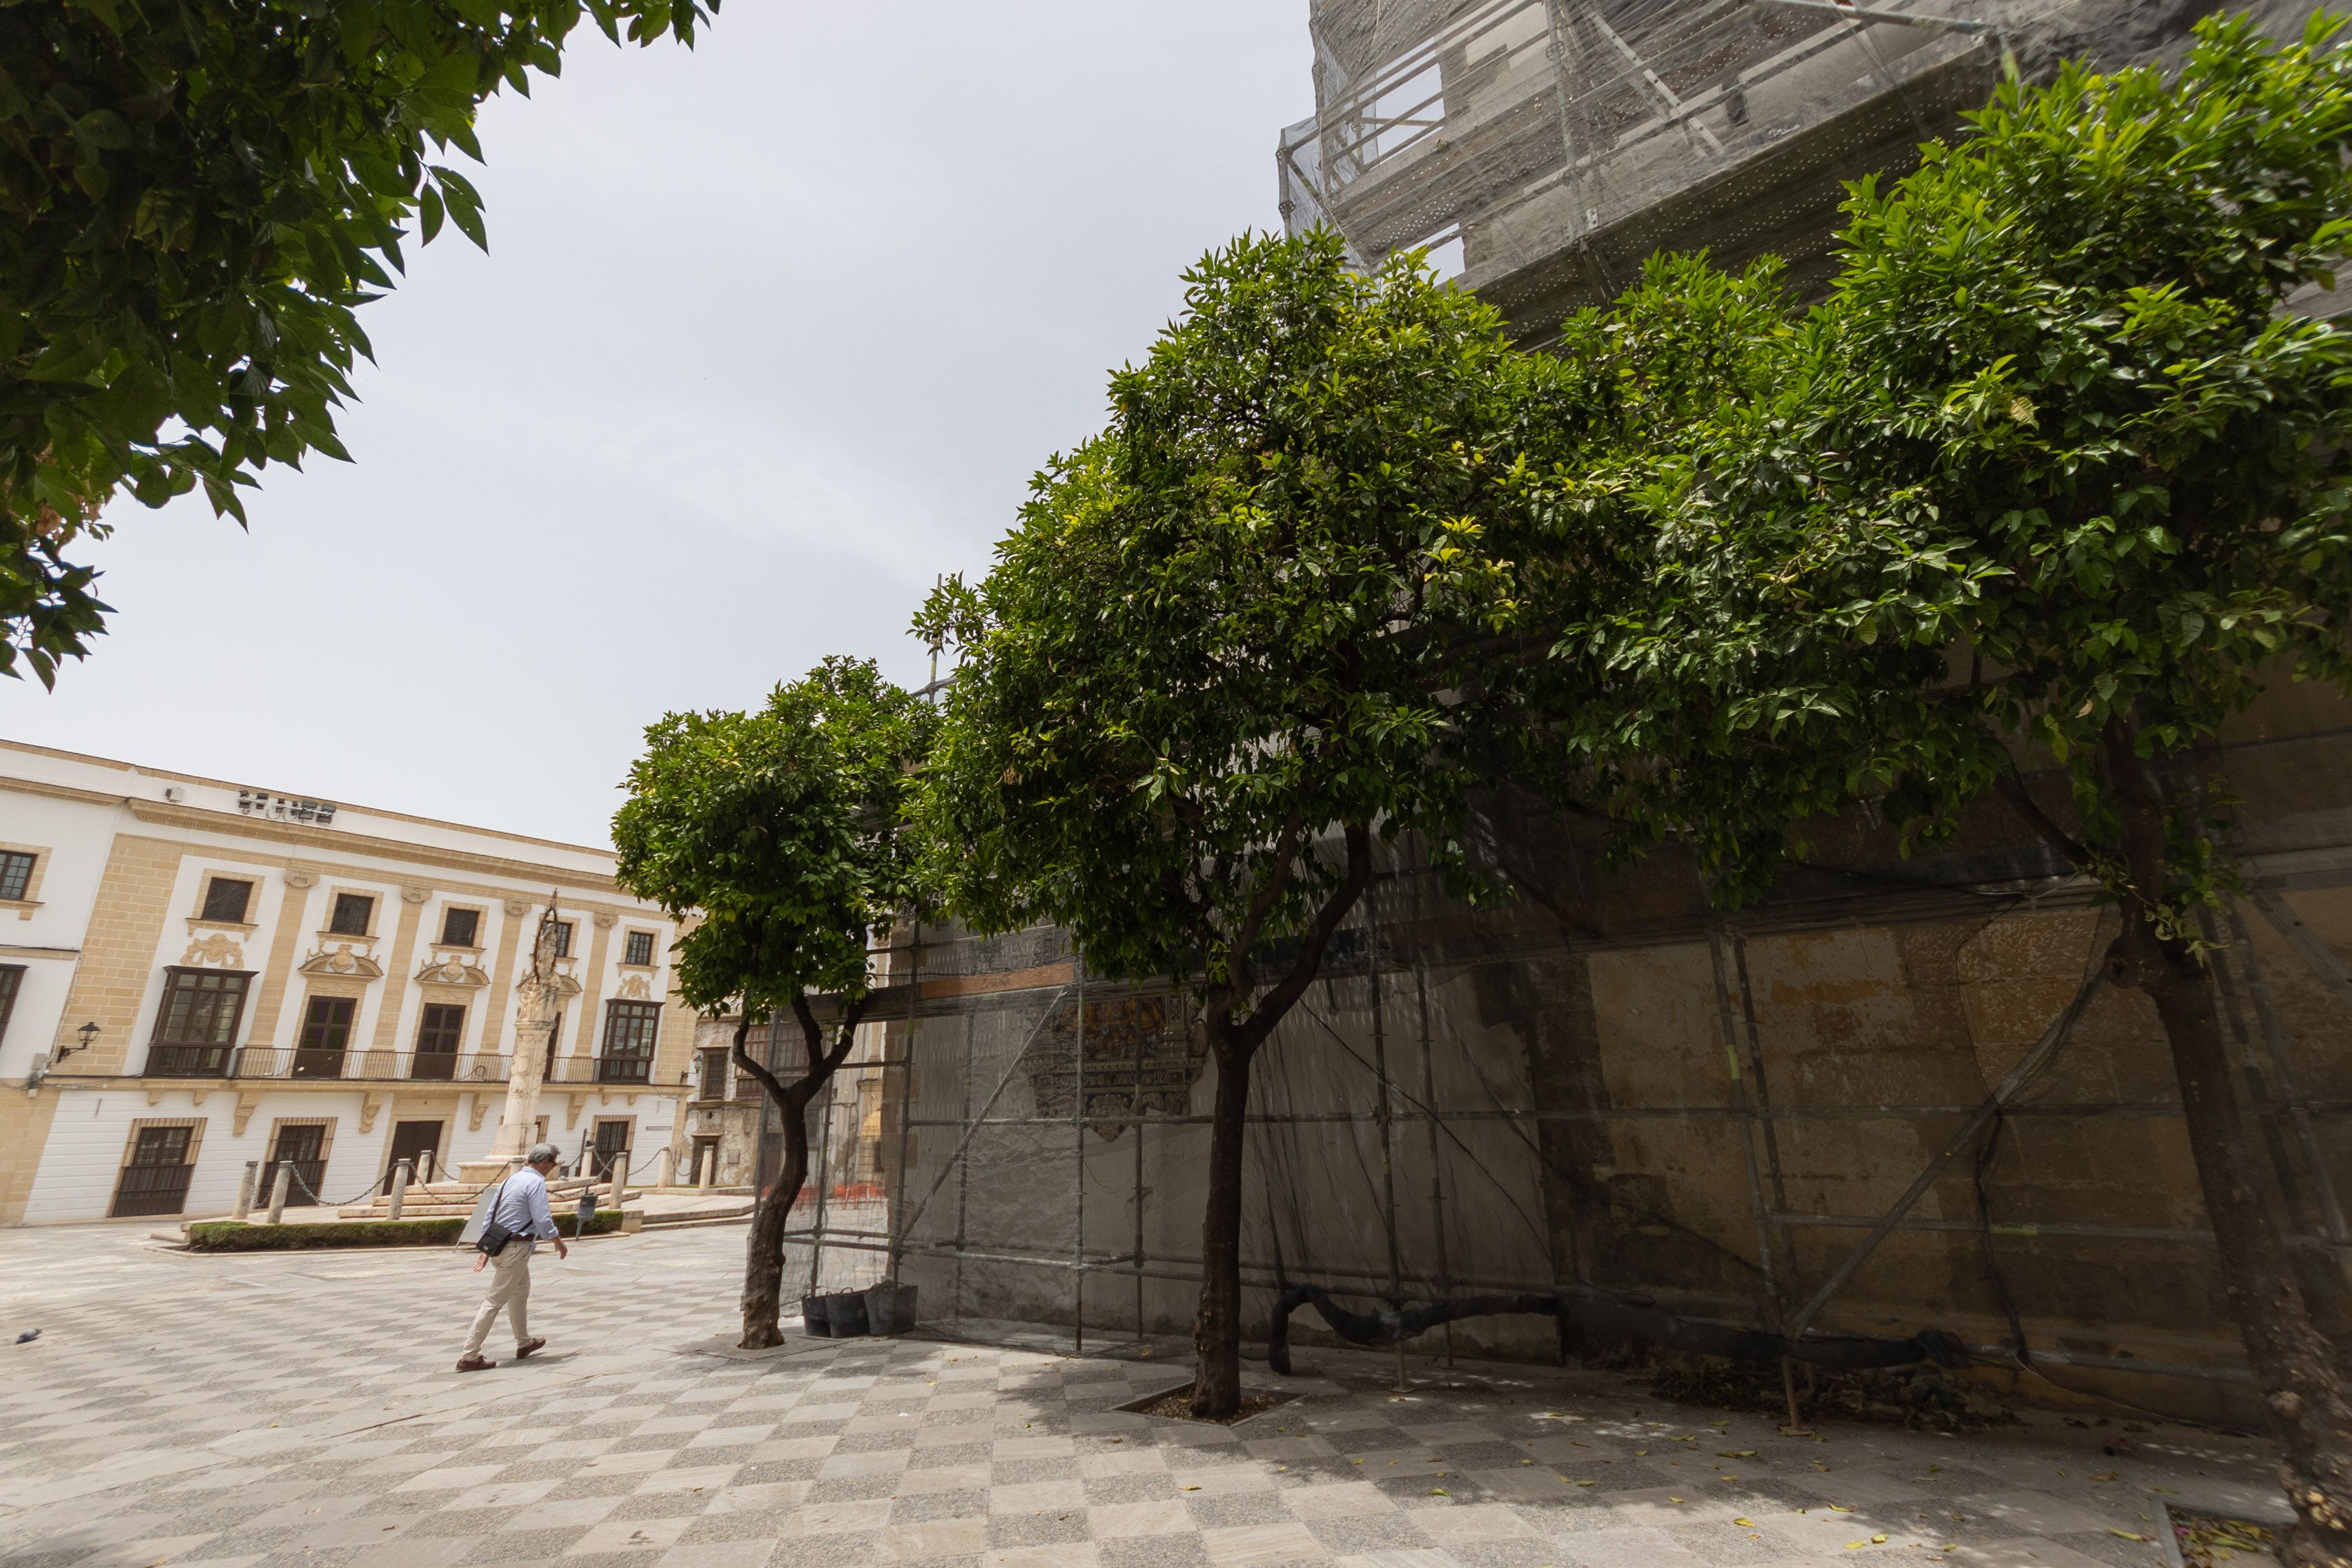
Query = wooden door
x=416 y=1140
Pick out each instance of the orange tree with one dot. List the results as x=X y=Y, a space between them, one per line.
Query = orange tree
x=195 y=197
x=1214 y=660
x=782 y=836
x=2049 y=472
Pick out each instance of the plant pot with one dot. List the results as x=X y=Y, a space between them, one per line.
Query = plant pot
x=889 y=1309
x=813 y=1322
x=847 y=1313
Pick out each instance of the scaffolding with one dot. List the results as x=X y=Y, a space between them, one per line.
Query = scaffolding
x=1539 y=150
x=1019 y=1138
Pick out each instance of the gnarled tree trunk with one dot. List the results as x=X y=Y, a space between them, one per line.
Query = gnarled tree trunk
x=2291 y=1362
x=763 y=1261
x=1217 y=1328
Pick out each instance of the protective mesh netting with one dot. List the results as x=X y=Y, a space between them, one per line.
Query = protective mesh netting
x=1539 y=149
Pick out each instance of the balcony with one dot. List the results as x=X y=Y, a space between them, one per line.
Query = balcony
x=348 y=1067
x=633 y=1071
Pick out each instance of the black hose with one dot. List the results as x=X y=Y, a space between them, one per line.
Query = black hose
x=1632 y=1318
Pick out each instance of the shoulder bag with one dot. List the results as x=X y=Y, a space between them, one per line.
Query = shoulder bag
x=495 y=1236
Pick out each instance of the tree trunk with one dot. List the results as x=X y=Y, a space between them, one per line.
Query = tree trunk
x=2291 y=1362
x=763 y=1263
x=1217 y=1330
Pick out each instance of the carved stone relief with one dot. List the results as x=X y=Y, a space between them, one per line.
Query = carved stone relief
x=1139 y=1049
x=634 y=989
x=214 y=949
x=356 y=964
x=451 y=969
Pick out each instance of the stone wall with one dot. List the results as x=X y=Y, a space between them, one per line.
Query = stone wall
x=1608 y=1088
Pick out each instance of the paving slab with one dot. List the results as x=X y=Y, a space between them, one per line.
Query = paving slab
x=257 y=1409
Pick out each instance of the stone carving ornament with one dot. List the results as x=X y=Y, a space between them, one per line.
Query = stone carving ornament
x=213 y=949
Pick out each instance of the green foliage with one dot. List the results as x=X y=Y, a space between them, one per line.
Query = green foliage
x=195 y=197
x=1228 y=627
x=781 y=834
x=295 y=1235
x=2049 y=469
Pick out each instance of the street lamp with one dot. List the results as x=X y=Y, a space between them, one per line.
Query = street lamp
x=88 y=1032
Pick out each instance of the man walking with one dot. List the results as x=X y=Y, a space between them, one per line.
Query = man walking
x=521 y=1207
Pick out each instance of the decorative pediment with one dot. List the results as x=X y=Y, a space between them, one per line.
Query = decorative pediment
x=345 y=960
x=451 y=969
x=224 y=951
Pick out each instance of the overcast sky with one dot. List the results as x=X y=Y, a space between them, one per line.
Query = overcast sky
x=771 y=333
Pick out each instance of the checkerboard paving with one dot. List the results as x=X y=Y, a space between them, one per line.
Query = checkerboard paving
x=257 y=1412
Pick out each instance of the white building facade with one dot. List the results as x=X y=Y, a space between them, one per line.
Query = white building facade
x=195 y=974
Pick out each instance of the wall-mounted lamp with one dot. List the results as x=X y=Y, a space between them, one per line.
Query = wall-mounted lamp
x=87 y=1033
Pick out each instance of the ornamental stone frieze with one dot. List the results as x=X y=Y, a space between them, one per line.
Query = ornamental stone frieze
x=345 y=960
x=214 y=949
x=634 y=989
x=452 y=969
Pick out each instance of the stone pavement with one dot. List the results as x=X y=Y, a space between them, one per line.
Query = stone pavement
x=271 y=1412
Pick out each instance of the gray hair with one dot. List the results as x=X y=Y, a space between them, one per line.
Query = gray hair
x=544 y=1154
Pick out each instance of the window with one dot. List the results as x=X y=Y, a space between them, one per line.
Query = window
x=441 y=1024
x=629 y=1031
x=639 y=948
x=16 y=873
x=303 y=1145
x=437 y=1035
x=12 y=979
x=155 y=1177
x=713 y=1064
x=226 y=900
x=326 y=1031
x=563 y=939
x=351 y=912
x=197 y=1024
x=460 y=927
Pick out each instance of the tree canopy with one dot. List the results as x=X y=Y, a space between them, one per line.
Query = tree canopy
x=782 y=838
x=195 y=196
x=2050 y=480
x=1214 y=659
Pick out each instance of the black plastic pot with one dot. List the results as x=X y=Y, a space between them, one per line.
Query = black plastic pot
x=847 y=1313
x=813 y=1321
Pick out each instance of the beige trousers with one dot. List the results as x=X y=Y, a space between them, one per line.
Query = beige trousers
x=511 y=1289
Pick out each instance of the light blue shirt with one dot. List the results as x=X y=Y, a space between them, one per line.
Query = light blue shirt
x=522 y=1206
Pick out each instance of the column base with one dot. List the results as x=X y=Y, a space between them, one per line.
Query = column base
x=482 y=1173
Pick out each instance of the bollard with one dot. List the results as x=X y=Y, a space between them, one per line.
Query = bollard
x=664 y=1166
x=400 y=1173
x=278 y=1188
x=706 y=1165
x=620 y=1173
x=245 y=1187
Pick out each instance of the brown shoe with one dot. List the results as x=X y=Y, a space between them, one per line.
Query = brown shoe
x=527 y=1346
x=475 y=1364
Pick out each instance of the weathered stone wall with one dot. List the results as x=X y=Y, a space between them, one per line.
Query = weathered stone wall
x=1609 y=1088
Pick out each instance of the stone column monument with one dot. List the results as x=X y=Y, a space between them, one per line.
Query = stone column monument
x=538 y=1002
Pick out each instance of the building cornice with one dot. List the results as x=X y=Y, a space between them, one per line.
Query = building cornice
x=329 y=840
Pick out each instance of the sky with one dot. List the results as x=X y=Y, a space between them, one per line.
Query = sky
x=770 y=334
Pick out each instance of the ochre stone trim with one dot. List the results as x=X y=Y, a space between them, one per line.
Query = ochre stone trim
x=282 y=947
x=336 y=839
x=118 y=960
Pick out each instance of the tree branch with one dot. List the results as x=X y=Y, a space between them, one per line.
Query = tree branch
x=2011 y=786
x=848 y=1036
x=1278 y=1000
x=768 y=1080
